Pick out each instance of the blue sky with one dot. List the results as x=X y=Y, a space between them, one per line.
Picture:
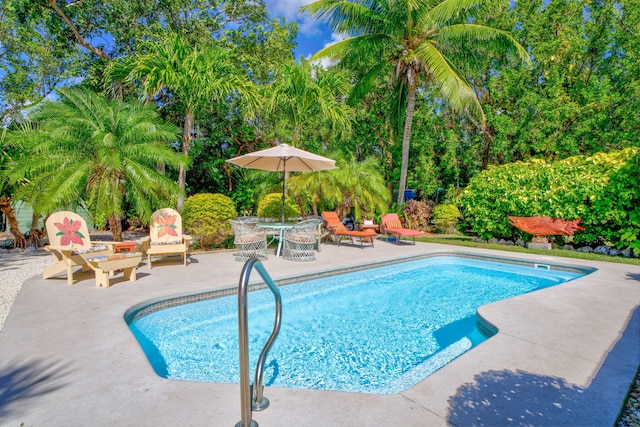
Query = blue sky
x=312 y=35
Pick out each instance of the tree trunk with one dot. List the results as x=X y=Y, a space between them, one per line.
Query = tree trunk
x=186 y=143
x=35 y=237
x=115 y=224
x=488 y=139
x=406 y=141
x=5 y=208
x=487 y=134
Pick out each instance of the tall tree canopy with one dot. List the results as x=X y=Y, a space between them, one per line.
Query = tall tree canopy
x=413 y=40
x=581 y=93
x=193 y=74
x=303 y=94
x=46 y=44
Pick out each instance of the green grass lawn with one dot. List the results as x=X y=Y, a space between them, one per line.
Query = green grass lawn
x=466 y=241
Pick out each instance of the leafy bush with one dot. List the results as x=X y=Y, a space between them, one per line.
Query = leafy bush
x=271 y=207
x=417 y=215
x=445 y=218
x=205 y=216
x=603 y=190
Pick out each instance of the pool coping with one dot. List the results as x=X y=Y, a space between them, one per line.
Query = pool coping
x=564 y=355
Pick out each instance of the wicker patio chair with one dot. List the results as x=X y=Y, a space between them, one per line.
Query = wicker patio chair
x=250 y=241
x=300 y=241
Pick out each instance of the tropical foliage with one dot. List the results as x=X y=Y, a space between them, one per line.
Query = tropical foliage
x=410 y=41
x=84 y=149
x=445 y=218
x=270 y=206
x=301 y=94
x=176 y=70
x=354 y=186
x=579 y=96
x=603 y=190
x=417 y=215
x=205 y=216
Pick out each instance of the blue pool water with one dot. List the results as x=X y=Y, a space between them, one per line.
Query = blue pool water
x=376 y=331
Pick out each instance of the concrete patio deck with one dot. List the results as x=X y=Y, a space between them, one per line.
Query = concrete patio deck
x=564 y=355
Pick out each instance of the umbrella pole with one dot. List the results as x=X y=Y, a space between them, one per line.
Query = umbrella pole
x=284 y=182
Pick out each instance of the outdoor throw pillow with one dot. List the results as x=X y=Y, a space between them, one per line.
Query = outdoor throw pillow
x=337 y=227
x=393 y=224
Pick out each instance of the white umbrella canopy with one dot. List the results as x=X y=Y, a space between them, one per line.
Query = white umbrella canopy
x=284 y=158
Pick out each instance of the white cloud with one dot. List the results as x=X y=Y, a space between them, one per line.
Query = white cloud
x=326 y=62
x=336 y=37
x=290 y=9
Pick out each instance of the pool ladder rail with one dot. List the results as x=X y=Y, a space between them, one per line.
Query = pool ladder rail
x=251 y=397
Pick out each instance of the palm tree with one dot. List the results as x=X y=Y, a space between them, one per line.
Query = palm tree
x=363 y=186
x=300 y=94
x=83 y=149
x=313 y=189
x=194 y=75
x=354 y=184
x=412 y=39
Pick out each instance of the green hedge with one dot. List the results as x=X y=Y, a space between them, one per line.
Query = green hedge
x=445 y=218
x=205 y=216
x=271 y=207
x=603 y=190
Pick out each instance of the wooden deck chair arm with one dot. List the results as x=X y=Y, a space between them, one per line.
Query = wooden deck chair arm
x=60 y=249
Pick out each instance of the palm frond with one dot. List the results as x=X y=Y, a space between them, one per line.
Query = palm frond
x=448 y=12
x=480 y=36
x=85 y=148
x=347 y=17
x=446 y=77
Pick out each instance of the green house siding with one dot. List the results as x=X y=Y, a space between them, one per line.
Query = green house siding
x=24 y=213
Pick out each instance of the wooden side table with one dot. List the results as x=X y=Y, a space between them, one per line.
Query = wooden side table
x=125 y=247
x=106 y=265
x=374 y=227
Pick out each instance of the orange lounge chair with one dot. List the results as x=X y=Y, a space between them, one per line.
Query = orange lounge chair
x=339 y=231
x=391 y=225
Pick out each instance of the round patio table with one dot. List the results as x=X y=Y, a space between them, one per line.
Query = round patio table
x=280 y=227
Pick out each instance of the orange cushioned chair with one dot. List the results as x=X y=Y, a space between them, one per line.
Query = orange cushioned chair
x=339 y=231
x=391 y=225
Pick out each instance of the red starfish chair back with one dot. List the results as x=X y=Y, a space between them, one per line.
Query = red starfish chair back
x=166 y=227
x=68 y=230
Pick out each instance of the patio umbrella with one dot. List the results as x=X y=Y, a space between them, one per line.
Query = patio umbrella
x=286 y=159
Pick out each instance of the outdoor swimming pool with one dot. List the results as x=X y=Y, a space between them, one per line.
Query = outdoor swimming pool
x=376 y=331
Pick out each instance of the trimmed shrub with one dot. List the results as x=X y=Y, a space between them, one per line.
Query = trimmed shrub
x=417 y=215
x=205 y=216
x=445 y=218
x=271 y=207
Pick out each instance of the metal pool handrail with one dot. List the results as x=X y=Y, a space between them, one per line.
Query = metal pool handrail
x=259 y=402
